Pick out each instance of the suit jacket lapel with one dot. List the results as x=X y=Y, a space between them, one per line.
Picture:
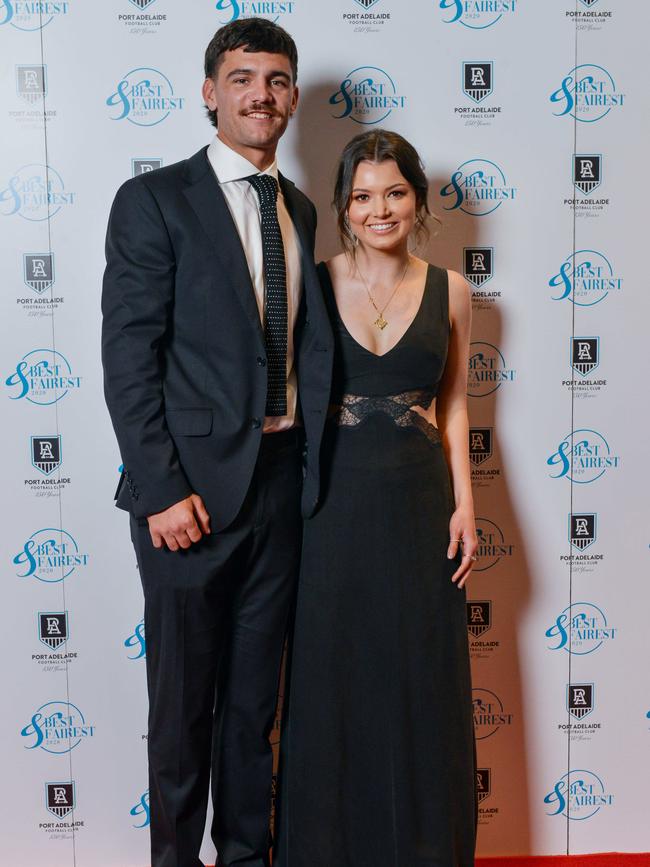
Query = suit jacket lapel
x=209 y=205
x=311 y=282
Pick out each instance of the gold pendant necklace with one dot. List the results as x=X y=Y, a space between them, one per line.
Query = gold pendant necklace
x=380 y=322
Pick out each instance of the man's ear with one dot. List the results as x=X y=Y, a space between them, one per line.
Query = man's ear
x=294 y=100
x=208 y=91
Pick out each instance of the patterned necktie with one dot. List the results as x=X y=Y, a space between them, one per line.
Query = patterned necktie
x=275 y=286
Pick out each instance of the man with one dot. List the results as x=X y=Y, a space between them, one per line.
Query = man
x=217 y=354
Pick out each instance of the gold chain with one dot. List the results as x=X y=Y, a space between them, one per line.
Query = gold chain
x=380 y=322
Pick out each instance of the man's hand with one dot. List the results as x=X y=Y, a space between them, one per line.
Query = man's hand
x=180 y=525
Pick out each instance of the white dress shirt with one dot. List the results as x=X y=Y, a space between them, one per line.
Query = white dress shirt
x=243 y=203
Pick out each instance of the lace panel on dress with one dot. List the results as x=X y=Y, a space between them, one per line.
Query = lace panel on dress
x=353 y=409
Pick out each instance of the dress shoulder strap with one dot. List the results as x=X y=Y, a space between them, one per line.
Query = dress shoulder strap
x=437 y=293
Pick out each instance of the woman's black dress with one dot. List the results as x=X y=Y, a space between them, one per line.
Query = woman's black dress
x=378 y=749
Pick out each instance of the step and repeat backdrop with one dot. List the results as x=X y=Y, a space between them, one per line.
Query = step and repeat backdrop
x=531 y=119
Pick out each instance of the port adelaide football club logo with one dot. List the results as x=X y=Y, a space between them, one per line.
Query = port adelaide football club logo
x=479 y=622
x=481 y=441
x=478 y=269
x=590 y=15
x=144 y=165
x=585 y=278
x=59 y=798
x=580 y=703
x=38 y=277
x=138 y=20
x=477 y=85
x=582 y=534
x=61 y=802
x=584 y=358
x=366 y=16
x=53 y=629
x=587 y=176
x=31 y=108
x=46 y=455
x=483 y=791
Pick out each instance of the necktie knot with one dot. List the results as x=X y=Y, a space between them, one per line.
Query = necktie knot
x=266 y=188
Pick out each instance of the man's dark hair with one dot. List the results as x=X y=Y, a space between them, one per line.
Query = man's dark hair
x=251 y=34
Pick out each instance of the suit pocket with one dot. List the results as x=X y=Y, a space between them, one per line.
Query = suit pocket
x=189 y=422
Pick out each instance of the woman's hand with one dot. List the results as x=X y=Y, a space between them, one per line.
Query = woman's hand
x=462 y=531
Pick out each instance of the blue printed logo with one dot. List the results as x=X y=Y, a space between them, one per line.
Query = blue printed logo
x=586 y=277
x=144 y=97
x=492 y=545
x=583 y=456
x=49 y=555
x=271 y=9
x=57 y=727
x=578 y=795
x=137 y=641
x=580 y=629
x=478 y=187
x=42 y=377
x=487 y=369
x=367 y=95
x=141 y=811
x=587 y=93
x=29 y=15
x=476 y=14
x=35 y=193
x=489 y=713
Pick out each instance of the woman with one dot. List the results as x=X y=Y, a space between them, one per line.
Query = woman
x=378 y=759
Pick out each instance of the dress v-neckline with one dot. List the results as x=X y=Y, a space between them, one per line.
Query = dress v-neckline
x=404 y=333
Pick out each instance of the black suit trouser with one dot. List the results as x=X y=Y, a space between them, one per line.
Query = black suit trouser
x=215 y=621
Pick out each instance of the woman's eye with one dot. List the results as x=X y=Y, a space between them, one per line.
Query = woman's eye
x=361 y=197
x=398 y=193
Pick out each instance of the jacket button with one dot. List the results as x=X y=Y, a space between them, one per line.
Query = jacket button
x=261 y=361
x=255 y=423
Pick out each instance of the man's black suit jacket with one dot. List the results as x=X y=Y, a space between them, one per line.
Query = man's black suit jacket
x=183 y=346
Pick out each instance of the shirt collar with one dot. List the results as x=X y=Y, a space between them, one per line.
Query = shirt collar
x=228 y=165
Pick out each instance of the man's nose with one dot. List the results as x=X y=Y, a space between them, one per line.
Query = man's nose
x=261 y=91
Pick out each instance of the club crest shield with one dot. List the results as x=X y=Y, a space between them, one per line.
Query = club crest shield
x=479 y=616
x=46 y=454
x=477 y=79
x=580 y=699
x=587 y=172
x=60 y=798
x=38 y=271
x=585 y=354
x=480 y=445
x=582 y=529
x=53 y=628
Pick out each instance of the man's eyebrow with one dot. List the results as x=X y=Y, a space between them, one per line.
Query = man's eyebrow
x=275 y=74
